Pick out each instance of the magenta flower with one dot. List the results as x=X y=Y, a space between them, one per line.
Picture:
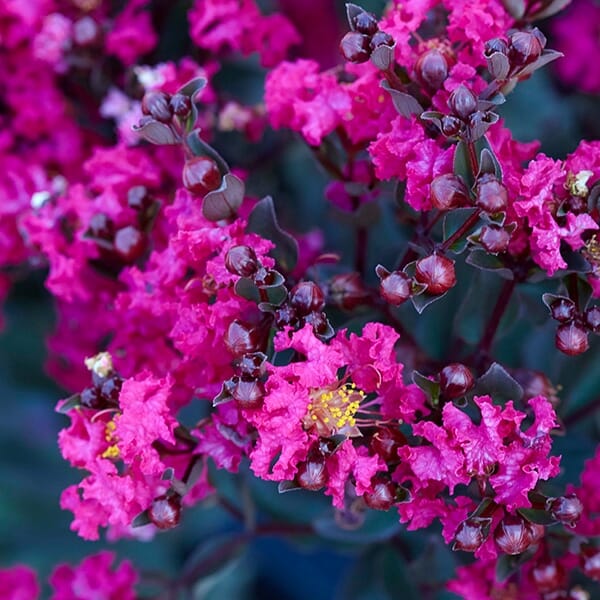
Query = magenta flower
x=19 y=583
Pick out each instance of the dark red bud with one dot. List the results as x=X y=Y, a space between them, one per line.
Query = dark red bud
x=385 y=442
x=129 y=243
x=111 y=388
x=156 y=104
x=319 y=322
x=449 y=191
x=285 y=315
x=455 y=380
x=381 y=38
x=514 y=535
x=312 y=474
x=525 y=48
x=248 y=393
x=548 y=576
x=383 y=496
x=451 y=126
x=348 y=291
x=494 y=239
x=462 y=102
x=165 y=511
x=589 y=558
x=436 y=272
x=592 y=318
x=572 y=339
x=241 y=260
x=92 y=398
x=471 y=534
x=496 y=45
x=563 y=310
x=431 y=69
x=355 y=47
x=491 y=194
x=201 y=175
x=394 y=287
x=365 y=22
x=138 y=198
x=307 y=297
x=241 y=338
x=566 y=509
x=181 y=105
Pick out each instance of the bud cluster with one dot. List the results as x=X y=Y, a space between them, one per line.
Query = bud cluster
x=105 y=389
x=365 y=36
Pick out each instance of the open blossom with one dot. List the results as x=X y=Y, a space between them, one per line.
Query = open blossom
x=95 y=579
x=19 y=583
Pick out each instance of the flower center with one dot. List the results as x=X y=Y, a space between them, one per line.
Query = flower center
x=332 y=412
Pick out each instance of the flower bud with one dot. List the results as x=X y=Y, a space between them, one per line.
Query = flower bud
x=241 y=260
x=495 y=45
x=494 y=239
x=592 y=318
x=285 y=315
x=348 y=291
x=572 y=339
x=436 y=272
x=307 y=297
x=548 y=576
x=455 y=380
x=449 y=191
x=181 y=105
x=365 y=22
x=563 y=310
x=383 y=496
x=385 y=442
x=312 y=474
x=241 y=338
x=86 y=31
x=101 y=227
x=514 y=535
x=111 y=388
x=381 y=38
x=251 y=366
x=129 y=243
x=589 y=558
x=165 y=511
x=525 y=48
x=471 y=534
x=394 y=287
x=201 y=175
x=462 y=102
x=138 y=198
x=91 y=397
x=566 y=509
x=248 y=393
x=491 y=195
x=355 y=47
x=451 y=126
x=431 y=69
x=319 y=322
x=156 y=104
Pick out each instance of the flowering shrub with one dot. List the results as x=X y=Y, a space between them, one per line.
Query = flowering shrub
x=362 y=360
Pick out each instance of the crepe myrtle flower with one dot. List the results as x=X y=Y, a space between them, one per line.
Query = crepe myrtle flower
x=348 y=389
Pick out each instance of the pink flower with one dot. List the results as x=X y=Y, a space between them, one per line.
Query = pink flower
x=19 y=583
x=94 y=579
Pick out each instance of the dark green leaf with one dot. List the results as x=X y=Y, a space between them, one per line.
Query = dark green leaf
x=453 y=221
x=497 y=383
x=352 y=11
x=516 y=8
x=156 y=133
x=549 y=10
x=383 y=57
x=404 y=103
x=200 y=148
x=431 y=388
x=422 y=301
x=263 y=221
x=508 y=565
x=539 y=516
x=547 y=57
x=168 y=474
x=462 y=164
x=480 y=259
x=224 y=202
x=488 y=163
x=287 y=486
x=141 y=520
x=498 y=65
x=193 y=87
x=69 y=404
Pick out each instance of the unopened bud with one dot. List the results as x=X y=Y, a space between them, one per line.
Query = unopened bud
x=563 y=310
x=251 y=366
x=431 y=69
x=312 y=474
x=436 y=272
x=495 y=45
x=355 y=47
x=386 y=442
x=365 y=22
x=165 y=511
x=525 y=47
x=241 y=260
x=494 y=239
x=248 y=393
x=514 y=535
x=455 y=380
x=572 y=339
x=383 y=496
x=566 y=509
x=156 y=104
x=307 y=297
x=394 y=287
x=589 y=559
x=471 y=534
x=449 y=191
x=241 y=338
x=130 y=243
x=348 y=291
x=201 y=175
x=181 y=105
x=592 y=318
x=462 y=102
x=451 y=126
x=548 y=576
x=491 y=194
x=381 y=38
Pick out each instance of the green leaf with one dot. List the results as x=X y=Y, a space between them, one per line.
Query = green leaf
x=431 y=388
x=352 y=11
x=70 y=403
x=404 y=103
x=497 y=383
x=423 y=300
x=141 y=520
x=462 y=164
x=246 y=288
x=224 y=202
x=547 y=56
x=192 y=87
x=516 y=8
x=480 y=259
x=383 y=57
x=453 y=221
x=539 y=516
x=287 y=486
x=156 y=133
x=263 y=221
x=550 y=9
x=508 y=565
x=488 y=162
x=200 y=148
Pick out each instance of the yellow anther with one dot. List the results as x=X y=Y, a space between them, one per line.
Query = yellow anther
x=111 y=452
